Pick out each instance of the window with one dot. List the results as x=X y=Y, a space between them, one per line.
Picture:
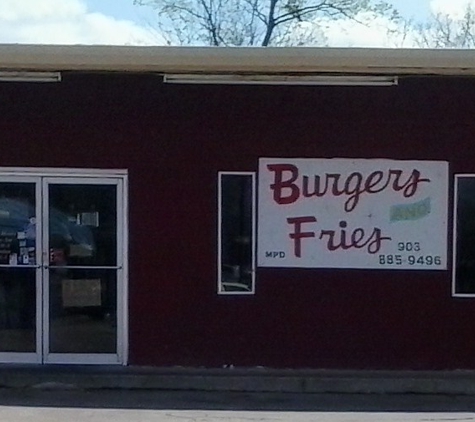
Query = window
x=236 y=233
x=464 y=236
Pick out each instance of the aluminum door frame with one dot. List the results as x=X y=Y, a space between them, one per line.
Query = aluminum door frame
x=41 y=177
x=86 y=358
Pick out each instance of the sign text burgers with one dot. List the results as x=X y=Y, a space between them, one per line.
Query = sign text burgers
x=352 y=213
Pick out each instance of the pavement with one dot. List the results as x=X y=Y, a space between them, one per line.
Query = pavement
x=239 y=380
x=28 y=405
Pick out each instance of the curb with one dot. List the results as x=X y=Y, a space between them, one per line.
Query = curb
x=240 y=380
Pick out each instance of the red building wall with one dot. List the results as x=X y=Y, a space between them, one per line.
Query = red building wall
x=174 y=139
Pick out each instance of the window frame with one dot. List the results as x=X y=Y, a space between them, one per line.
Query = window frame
x=220 y=290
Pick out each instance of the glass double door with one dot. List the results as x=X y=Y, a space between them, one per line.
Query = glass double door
x=61 y=269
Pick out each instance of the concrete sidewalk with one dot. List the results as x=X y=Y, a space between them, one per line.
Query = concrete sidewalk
x=238 y=380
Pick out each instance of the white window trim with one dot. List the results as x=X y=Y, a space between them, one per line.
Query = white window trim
x=454 y=235
x=253 y=232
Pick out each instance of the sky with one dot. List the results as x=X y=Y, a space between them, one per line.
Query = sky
x=120 y=22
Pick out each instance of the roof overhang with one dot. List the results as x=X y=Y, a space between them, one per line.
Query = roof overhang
x=246 y=60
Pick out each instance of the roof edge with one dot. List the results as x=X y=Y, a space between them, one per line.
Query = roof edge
x=296 y=60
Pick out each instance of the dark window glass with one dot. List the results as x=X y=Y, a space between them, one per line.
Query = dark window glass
x=82 y=311
x=83 y=225
x=236 y=264
x=17 y=310
x=464 y=282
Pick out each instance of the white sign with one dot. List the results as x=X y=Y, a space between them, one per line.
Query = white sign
x=352 y=213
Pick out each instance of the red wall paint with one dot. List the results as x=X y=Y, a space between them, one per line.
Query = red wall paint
x=174 y=139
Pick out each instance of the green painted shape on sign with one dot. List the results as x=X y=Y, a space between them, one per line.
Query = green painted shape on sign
x=410 y=212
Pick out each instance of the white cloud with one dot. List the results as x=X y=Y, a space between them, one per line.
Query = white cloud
x=454 y=8
x=67 y=22
x=371 y=32
x=17 y=10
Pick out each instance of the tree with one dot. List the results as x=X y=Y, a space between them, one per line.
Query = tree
x=445 y=31
x=258 y=22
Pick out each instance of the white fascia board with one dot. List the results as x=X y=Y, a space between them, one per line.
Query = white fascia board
x=292 y=60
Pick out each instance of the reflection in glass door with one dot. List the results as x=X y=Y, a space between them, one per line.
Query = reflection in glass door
x=84 y=267
x=20 y=287
x=62 y=254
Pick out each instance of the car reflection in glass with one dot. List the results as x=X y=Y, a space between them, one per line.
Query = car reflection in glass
x=18 y=231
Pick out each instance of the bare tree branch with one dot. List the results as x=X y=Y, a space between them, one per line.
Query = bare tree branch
x=445 y=31
x=270 y=23
x=256 y=22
